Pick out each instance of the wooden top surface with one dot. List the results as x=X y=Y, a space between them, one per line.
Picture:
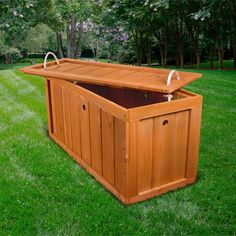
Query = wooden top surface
x=141 y=78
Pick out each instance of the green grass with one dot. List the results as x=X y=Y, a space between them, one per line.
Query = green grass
x=228 y=65
x=44 y=192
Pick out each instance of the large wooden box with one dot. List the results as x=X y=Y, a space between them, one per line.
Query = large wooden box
x=134 y=142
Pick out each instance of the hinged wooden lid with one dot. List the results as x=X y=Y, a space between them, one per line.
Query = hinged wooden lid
x=141 y=78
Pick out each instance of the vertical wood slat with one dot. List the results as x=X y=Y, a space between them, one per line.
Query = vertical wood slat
x=75 y=123
x=49 y=105
x=108 y=147
x=120 y=164
x=132 y=175
x=67 y=116
x=180 y=144
x=163 y=149
x=84 y=130
x=54 y=119
x=145 y=154
x=193 y=142
x=96 y=137
x=58 y=109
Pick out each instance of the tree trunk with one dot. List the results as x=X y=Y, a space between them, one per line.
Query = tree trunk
x=165 y=54
x=180 y=49
x=234 y=48
x=177 y=60
x=161 y=54
x=149 y=52
x=59 y=45
x=212 y=55
x=71 y=38
x=197 y=53
x=221 y=54
x=139 y=55
x=79 y=40
x=197 y=58
x=7 y=58
x=181 y=55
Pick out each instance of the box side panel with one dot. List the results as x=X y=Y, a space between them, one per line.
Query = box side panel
x=164 y=149
x=96 y=137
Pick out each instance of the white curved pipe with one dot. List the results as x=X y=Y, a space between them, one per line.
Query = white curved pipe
x=170 y=76
x=168 y=96
x=46 y=57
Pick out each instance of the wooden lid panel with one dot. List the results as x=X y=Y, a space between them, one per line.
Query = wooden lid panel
x=113 y=75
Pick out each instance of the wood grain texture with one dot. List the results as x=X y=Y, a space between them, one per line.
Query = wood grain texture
x=181 y=132
x=145 y=154
x=96 y=137
x=108 y=147
x=49 y=105
x=125 y=76
x=85 y=129
x=75 y=123
x=136 y=153
x=67 y=116
x=58 y=110
x=193 y=142
x=120 y=161
x=163 y=149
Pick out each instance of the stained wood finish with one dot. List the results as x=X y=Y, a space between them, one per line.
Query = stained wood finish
x=90 y=132
x=145 y=154
x=96 y=137
x=136 y=153
x=75 y=123
x=108 y=146
x=123 y=76
x=58 y=110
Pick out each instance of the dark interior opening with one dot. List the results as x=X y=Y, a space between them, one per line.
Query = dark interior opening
x=125 y=97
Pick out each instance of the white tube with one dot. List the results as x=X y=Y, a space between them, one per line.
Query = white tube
x=170 y=76
x=46 y=57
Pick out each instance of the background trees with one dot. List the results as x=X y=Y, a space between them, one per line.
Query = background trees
x=167 y=32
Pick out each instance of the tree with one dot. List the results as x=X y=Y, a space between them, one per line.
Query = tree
x=70 y=16
x=38 y=37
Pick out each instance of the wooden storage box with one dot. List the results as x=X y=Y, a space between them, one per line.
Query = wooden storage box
x=116 y=123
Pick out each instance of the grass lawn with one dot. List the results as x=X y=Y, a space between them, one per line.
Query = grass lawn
x=44 y=192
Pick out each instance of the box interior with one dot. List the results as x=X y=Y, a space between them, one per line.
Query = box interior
x=129 y=98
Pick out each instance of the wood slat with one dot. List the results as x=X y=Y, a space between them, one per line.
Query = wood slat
x=66 y=116
x=143 y=78
x=58 y=109
x=120 y=163
x=84 y=129
x=162 y=149
x=75 y=123
x=83 y=70
x=180 y=144
x=132 y=132
x=54 y=120
x=108 y=147
x=102 y=71
x=193 y=142
x=49 y=105
x=96 y=137
x=62 y=67
x=145 y=139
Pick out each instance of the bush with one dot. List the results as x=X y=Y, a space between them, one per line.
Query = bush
x=125 y=56
x=13 y=55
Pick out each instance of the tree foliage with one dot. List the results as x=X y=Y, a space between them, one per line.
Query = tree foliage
x=184 y=31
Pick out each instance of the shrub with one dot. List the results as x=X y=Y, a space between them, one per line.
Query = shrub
x=12 y=55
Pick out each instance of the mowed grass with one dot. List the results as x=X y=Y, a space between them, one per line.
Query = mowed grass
x=44 y=192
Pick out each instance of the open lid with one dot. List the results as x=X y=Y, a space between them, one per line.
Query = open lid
x=142 y=78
